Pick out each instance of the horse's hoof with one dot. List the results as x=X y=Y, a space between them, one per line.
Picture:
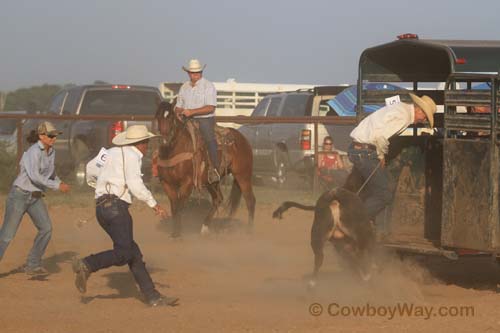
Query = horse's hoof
x=204 y=230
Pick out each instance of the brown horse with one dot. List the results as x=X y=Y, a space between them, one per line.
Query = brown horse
x=176 y=168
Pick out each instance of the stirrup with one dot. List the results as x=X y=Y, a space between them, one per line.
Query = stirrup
x=213 y=176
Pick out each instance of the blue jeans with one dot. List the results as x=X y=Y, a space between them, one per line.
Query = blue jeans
x=18 y=203
x=207 y=126
x=115 y=219
x=376 y=194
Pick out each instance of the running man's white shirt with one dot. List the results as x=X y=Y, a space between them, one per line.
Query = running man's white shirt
x=114 y=174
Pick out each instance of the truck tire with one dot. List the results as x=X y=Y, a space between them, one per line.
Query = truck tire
x=80 y=153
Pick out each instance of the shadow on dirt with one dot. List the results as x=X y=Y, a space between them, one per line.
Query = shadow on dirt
x=52 y=264
x=122 y=282
x=124 y=285
x=193 y=215
x=480 y=273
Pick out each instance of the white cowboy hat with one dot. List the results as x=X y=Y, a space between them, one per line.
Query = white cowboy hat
x=427 y=105
x=133 y=134
x=194 y=66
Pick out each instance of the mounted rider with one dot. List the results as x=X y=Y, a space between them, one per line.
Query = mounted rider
x=197 y=99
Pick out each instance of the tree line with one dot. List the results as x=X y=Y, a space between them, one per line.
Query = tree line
x=32 y=99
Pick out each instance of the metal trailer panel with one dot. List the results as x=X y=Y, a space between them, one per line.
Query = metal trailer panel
x=467 y=196
x=415 y=167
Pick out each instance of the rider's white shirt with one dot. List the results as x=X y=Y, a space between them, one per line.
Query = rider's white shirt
x=203 y=93
x=112 y=179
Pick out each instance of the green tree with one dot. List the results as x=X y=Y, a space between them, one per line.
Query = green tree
x=32 y=99
x=8 y=167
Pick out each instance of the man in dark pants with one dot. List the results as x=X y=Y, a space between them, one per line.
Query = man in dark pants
x=119 y=178
x=371 y=143
x=197 y=99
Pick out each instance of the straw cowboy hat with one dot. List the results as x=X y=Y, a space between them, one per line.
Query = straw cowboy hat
x=194 y=66
x=427 y=105
x=133 y=134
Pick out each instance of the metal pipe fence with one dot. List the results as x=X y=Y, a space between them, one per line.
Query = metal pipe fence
x=316 y=120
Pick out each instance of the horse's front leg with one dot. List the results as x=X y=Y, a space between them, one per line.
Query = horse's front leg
x=216 y=195
x=175 y=209
x=177 y=201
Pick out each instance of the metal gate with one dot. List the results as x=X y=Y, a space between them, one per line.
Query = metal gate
x=470 y=211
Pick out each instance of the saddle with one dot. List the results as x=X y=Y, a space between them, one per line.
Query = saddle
x=224 y=138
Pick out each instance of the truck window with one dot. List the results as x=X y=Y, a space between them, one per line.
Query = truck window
x=326 y=110
x=71 y=102
x=8 y=126
x=57 y=102
x=117 y=102
x=295 y=106
x=272 y=110
x=260 y=109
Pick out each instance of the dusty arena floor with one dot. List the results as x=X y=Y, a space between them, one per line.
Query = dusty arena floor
x=235 y=282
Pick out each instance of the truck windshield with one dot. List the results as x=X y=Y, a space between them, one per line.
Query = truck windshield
x=118 y=102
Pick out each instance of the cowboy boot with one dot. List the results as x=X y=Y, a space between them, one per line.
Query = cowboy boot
x=82 y=273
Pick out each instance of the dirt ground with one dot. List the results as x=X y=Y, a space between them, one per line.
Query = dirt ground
x=235 y=282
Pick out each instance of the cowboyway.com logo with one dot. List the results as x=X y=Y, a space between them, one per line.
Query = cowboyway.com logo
x=391 y=311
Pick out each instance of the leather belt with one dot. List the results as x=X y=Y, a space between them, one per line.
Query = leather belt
x=34 y=194
x=108 y=199
x=358 y=145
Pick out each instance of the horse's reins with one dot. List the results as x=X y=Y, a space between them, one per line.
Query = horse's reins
x=169 y=137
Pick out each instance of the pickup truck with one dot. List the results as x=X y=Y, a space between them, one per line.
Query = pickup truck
x=82 y=139
x=280 y=147
x=8 y=132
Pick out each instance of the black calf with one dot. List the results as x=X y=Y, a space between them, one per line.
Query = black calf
x=339 y=217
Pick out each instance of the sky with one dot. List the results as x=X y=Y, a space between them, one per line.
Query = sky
x=273 y=41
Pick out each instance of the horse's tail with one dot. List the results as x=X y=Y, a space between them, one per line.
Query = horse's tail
x=277 y=214
x=234 y=198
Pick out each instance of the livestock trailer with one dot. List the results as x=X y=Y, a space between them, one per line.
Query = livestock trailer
x=446 y=196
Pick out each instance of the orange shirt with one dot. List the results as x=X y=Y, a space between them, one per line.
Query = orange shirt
x=329 y=161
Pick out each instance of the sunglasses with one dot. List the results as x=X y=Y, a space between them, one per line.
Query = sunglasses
x=52 y=136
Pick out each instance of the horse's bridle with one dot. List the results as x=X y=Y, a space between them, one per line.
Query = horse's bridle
x=168 y=138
